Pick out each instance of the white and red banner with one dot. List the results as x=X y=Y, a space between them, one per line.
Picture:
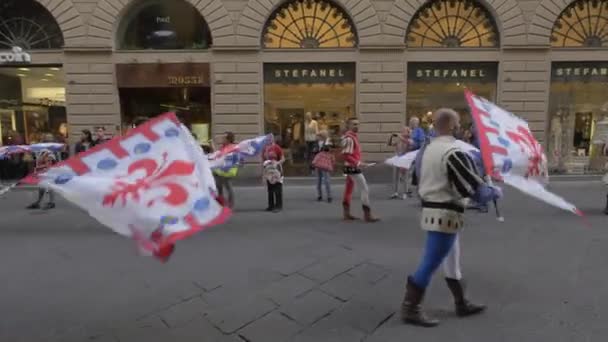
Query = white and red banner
x=510 y=152
x=154 y=184
x=226 y=159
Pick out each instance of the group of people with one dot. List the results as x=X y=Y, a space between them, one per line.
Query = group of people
x=47 y=158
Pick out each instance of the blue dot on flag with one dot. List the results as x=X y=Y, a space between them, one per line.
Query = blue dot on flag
x=171 y=132
x=168 y=220
x=107 y=164
x=504 y=142
x=63 y=178
x=202 y=204
x=142 y=148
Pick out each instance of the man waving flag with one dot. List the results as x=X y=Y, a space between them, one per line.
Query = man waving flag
x=510 y=152
x=153 y=185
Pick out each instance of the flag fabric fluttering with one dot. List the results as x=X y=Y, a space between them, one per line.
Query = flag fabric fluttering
x=510 y=153
x=154 y=185
x=405 y=161
x=228 y=158
x=6 y=151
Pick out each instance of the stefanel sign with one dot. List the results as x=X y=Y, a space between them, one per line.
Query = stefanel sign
x=295 y=73
x=15 y=56
x=452 y=72
x=579 y=71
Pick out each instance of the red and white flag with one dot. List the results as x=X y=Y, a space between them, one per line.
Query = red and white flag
x=510 y=152
x=154 y=184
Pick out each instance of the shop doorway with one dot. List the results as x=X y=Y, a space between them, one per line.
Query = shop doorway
x=147 y=90
x=326 y=90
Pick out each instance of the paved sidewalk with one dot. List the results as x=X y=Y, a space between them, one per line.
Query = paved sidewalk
x=303 y=275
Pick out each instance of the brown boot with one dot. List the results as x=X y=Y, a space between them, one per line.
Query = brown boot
x=411 y=311
x=367 y=212
x=347 y=215
x=463 y=306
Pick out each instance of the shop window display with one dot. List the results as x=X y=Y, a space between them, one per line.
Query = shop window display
x=309 y=24
x=157 y=24
x=434 y=85
x=584 y=23
x=32 y=104
x=578 y=109
x=452 y=24
x=324 y=91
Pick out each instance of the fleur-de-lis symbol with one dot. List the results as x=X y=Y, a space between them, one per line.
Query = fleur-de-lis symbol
x=156 y=176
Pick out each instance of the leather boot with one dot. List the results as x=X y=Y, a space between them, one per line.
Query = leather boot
x=411 y=311
x=347 y=215
x=367 y=212
x=463 y=306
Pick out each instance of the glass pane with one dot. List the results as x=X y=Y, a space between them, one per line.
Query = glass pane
x=578 y=111
x=309 y=24
x=582 y=23
x=192 y=106
x=452 y=23
x=28 y=25
x=324 y=90
x=434 y=85
x=164 y=25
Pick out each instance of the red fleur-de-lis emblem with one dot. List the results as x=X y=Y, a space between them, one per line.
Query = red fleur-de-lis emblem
x=156 y=176
x=523 y=137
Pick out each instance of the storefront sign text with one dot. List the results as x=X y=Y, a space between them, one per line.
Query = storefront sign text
x=449 y=72
x=16 y=55
x=161 y=75
x=186 y=80
x=580 y=71
x=309 y=73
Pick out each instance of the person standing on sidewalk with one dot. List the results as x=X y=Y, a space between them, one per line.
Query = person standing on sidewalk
x=447 y=175
x=223 y=176
x=324 y=162
x=351 y=153
x=272 y=164
x=401 y=142
x=44 y=161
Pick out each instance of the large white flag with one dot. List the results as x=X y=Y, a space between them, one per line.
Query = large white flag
x=510 y=152
x=153 y=185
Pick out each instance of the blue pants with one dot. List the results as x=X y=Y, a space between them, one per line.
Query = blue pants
x=438 y=245
x=323 y=179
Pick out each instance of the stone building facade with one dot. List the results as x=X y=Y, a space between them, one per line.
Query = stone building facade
x=514 y=55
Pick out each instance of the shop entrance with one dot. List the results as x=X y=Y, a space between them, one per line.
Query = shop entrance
x=147 y=90
x=325 y=90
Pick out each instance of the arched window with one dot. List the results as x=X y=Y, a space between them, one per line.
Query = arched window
x=452 y=24
x=28 y=25
x=309 y=24
x=158 y=24
x=584 y=23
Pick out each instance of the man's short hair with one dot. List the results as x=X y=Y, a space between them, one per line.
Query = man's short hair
x=100 y=128
x=351 y=119
x=442 y=115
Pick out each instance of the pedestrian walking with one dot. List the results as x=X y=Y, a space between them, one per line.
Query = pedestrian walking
x=446 y=175
x=273 y=159
x=323 y=163
x=401 y=142
x=351 y=153
x=223 y=177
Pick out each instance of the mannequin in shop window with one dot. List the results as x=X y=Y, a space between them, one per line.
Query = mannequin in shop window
x=556 y=136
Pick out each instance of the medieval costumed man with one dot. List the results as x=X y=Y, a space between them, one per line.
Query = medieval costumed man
x=446 y=176
x=351 y=153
